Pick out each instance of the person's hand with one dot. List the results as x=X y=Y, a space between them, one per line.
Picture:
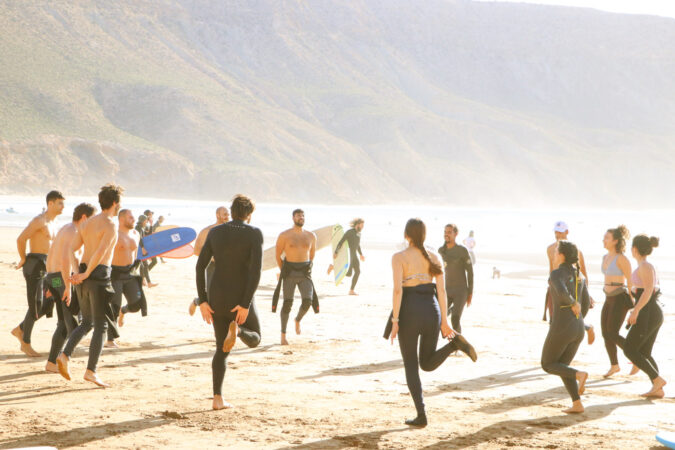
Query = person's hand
x=21 y=263
x=66 y=295
x=78 y=278
x=468 y=300
x=632 y=319
x=207 y=312
x=394 y=332
x=242 y=314
x=446 y=330
x=576 y=309
x=592 y=302
x=363 y=258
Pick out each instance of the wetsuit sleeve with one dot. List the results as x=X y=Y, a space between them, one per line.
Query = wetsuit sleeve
x=342 y=241
x=557 y=283
x=469 y=271
x=255 y=267
x=204 y=258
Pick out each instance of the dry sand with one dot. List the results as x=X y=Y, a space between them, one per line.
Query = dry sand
x=339 y=384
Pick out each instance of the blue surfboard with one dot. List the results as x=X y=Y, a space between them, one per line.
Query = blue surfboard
x=667 y=438
x=156 y=244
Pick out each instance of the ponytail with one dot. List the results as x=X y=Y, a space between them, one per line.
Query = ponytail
x=417 y=232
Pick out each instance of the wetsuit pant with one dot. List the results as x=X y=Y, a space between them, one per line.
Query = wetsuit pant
x=145 y=271
x=420 y=325
x=560 y=346
x=153 y=263
x=611 y=318
x=66 y=322
x=249 y=331
x=210 y=269
x=354 y=269
x=641 y=337
x=95 y=295
x=34 y=272
x=132 y=292
x=456 y=301
x=304 y=284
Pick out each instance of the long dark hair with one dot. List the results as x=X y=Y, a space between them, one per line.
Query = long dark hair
x=417 y=232
x=571 y=254
x=620 y=234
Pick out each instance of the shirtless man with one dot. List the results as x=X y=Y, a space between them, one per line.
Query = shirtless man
x=99 y=236
x=222 y=216
x=57 y=280
x=39 y=233
x=298 y=246
x=561 y=231
x=123 y=281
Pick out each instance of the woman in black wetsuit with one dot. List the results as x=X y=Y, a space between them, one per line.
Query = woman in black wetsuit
x=646 y=318
x=419 y=312
x=566 y=331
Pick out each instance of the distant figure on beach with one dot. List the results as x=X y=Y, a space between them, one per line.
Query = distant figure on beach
x=222 y=216
x=496 y=273
x=99 y=236
x=236 y=251
x=617 y=270
x=142 y=229
x=419 y=314
x=470 y=244
x=38 y=235
x=458 y=270
x=298 y=247
x=646 y=318
x=353 y=239
x=568 y=293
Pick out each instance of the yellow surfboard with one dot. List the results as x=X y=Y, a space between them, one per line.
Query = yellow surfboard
x=341 y=261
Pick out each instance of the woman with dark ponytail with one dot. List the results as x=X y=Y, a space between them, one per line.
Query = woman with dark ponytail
x=616 y=268
x=420 y=314
x=646 y=318
x=570 y=304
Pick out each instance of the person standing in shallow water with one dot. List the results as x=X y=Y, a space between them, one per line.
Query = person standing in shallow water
x=566 y=331
x=420 y=314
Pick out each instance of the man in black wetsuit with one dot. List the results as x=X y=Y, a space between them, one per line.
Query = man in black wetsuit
x=236 y=248
x=458 y=275
x=353 y=238
x=141 y=228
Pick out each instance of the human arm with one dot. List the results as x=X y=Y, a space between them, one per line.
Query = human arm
x=582 y=265
x=468 y=267
x=254 y=269
x=281 y=244
x=28 y=232
x=312 y=248
x=339 y=245
x=397 y=271
x=624 y=266
x=647 y=275
x=446 y=330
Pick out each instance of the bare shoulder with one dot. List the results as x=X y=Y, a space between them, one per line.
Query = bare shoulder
x=310 y=234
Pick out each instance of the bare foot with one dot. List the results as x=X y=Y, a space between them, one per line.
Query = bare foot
x=353 y=293
x=577 y=408
x=192 y=308
x=51 y=367
x=612 y=370
x=110 y=344
x=657 y=389
x=297 y=327
x=93 y=378
x=219 y=403
x=152 y=285
x=28 y=350
x=581 y=378
x=18 y=333
x=634 y=370
x=231 y=337
x=283 y=339
x=62 y=365
x=120 y=319
x=591 y=335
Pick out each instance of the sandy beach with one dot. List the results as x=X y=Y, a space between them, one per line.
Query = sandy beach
x=338 y=385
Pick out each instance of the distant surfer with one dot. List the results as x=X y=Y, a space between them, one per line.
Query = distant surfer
x=353 y=239
x=470 y=244
x=458 y=275
x=236 y=251
x=141 y=228
x=39 y=235
x=99 y=236
x=299 y=247
x=222 y=216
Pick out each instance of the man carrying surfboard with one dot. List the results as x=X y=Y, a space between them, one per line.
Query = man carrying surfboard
x=353 y=239
x=123 y=281
x=222 y=216
x=141 y=228
x=298 y=246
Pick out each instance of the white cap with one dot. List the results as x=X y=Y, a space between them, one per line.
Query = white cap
x=560 y=227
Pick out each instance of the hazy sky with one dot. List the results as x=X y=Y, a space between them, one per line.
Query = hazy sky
x=653 y=7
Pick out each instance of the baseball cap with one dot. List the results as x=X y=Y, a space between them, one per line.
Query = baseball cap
x=560 y=227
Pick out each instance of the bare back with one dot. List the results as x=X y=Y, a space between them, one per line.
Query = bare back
x=297 y=245
x=415 y=267
x=126 y=248
x=99 y=236
x=60 y=248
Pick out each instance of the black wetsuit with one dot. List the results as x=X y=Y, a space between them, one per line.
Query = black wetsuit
x=34 y=271
x=131 y=286
x=642 y=335
x=236 y=248
x=67 y=315
x=295 y=274
x=144 y=268
x=353 y=239
x=458 y=281
x=566 y=331
x=95 y=297
x=419 y=327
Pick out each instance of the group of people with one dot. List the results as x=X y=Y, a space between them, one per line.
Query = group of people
x=89 y=265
